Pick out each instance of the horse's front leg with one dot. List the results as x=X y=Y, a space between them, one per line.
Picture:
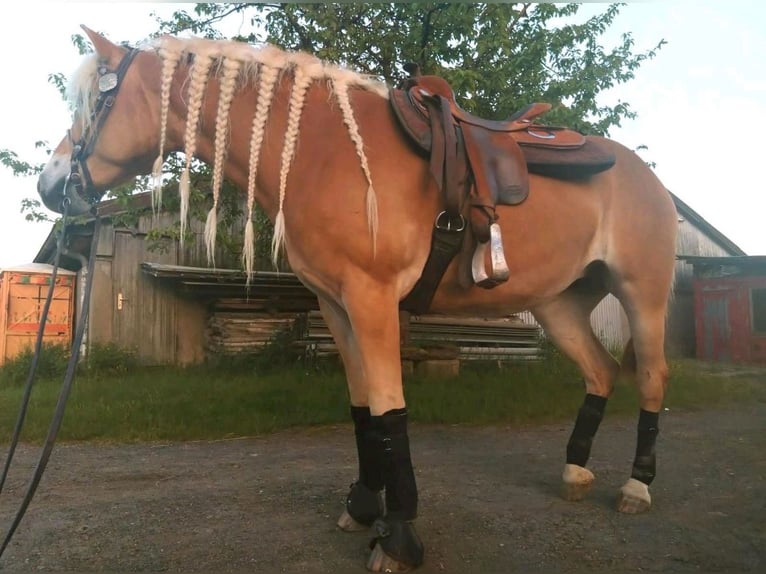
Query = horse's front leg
x=364 y=503
x=372 y=359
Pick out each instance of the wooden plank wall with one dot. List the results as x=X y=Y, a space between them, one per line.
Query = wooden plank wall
x=680 y=329
x=135 y=312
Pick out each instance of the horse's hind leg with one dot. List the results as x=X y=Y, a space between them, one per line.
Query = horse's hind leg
x=645 y=305
x=566 y=321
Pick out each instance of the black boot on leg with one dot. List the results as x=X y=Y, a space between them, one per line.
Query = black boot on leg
x=577 y=479
x=396 y=545
x=364 y=503
x=634 y=495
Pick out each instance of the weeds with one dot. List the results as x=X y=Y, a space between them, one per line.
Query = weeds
x=114 y=399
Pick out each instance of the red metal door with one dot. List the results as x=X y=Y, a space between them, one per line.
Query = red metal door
x=715 y=336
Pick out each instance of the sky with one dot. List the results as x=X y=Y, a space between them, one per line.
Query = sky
x=701 y=103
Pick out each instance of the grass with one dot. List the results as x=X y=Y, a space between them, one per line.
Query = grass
x=213 y=402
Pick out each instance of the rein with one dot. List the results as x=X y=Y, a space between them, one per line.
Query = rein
x=58 y=415
x=108 y=85
x=80 y=181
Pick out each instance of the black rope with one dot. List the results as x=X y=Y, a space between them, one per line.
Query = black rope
x=66 y=387
x=38 y=351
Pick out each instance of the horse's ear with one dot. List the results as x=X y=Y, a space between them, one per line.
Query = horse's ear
x=104 y=48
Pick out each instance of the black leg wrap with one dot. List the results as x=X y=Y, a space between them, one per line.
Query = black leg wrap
x=370 y=472
x=364 y=502
x=645 y=463
x=399 y=540
x=390 y=430
x=588 y=419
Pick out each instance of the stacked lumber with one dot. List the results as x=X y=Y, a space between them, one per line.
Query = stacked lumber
x=506 y=338
x=441 y=337
x=244 y=332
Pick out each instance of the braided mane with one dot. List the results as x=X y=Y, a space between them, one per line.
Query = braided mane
x=237 y=64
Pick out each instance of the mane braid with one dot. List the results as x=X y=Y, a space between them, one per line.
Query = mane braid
x=170 y=53
x=228 y=83
x=267 y=79
x=198 y=81
x=340 y=87
x=301 y=82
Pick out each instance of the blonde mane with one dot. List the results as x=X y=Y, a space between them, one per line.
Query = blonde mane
x=235 y=65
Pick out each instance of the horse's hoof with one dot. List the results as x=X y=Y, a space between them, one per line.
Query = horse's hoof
x=379 y=561
x=634 y=497
x=578 y=481
x=348 y=524
x=363 y=507
x=396 y=546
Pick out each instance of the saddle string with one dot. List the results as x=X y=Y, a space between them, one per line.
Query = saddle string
x=66 y=387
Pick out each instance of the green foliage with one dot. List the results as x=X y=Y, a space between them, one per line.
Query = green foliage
x=51 y=364
x=108 y=359
x=498 y=56
x=102 y=360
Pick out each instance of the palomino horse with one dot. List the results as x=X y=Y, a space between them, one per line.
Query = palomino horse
x=353 y=204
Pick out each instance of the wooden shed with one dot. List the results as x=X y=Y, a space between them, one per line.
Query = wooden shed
x=730 y=308
x=696 y=238
x=23 y=291
x=128 y=309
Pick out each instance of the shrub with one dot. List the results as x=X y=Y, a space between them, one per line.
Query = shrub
x=109 y=359
x=51 y=364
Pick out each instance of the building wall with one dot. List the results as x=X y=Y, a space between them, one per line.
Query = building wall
x=724 y=310
x=135 y=312
x=692 y=240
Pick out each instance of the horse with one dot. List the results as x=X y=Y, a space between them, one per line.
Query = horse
x=353 y=204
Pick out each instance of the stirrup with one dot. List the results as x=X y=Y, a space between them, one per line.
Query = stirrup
x=499 y=271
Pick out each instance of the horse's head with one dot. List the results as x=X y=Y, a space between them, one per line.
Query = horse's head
x=116 y=127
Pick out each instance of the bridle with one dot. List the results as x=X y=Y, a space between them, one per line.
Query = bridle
x=108 y=85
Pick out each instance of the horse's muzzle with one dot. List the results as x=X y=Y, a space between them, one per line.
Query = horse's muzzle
x=52 y=188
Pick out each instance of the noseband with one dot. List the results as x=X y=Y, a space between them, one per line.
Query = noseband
x=108 y=84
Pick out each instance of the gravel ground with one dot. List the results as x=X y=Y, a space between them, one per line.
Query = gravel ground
x=488 y=502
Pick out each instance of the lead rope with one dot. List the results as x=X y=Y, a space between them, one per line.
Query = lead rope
x=58 y=415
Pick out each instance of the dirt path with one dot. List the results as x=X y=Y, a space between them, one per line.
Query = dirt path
x=489 y=502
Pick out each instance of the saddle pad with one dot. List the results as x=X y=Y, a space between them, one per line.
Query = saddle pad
x=578 y=163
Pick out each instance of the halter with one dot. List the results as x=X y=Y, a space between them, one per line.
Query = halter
x=108 y=84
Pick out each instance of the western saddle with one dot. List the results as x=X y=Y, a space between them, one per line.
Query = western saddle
x=478 y=164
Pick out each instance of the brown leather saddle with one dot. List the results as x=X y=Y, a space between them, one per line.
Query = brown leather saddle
x=500 y=151
x=478 y=164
